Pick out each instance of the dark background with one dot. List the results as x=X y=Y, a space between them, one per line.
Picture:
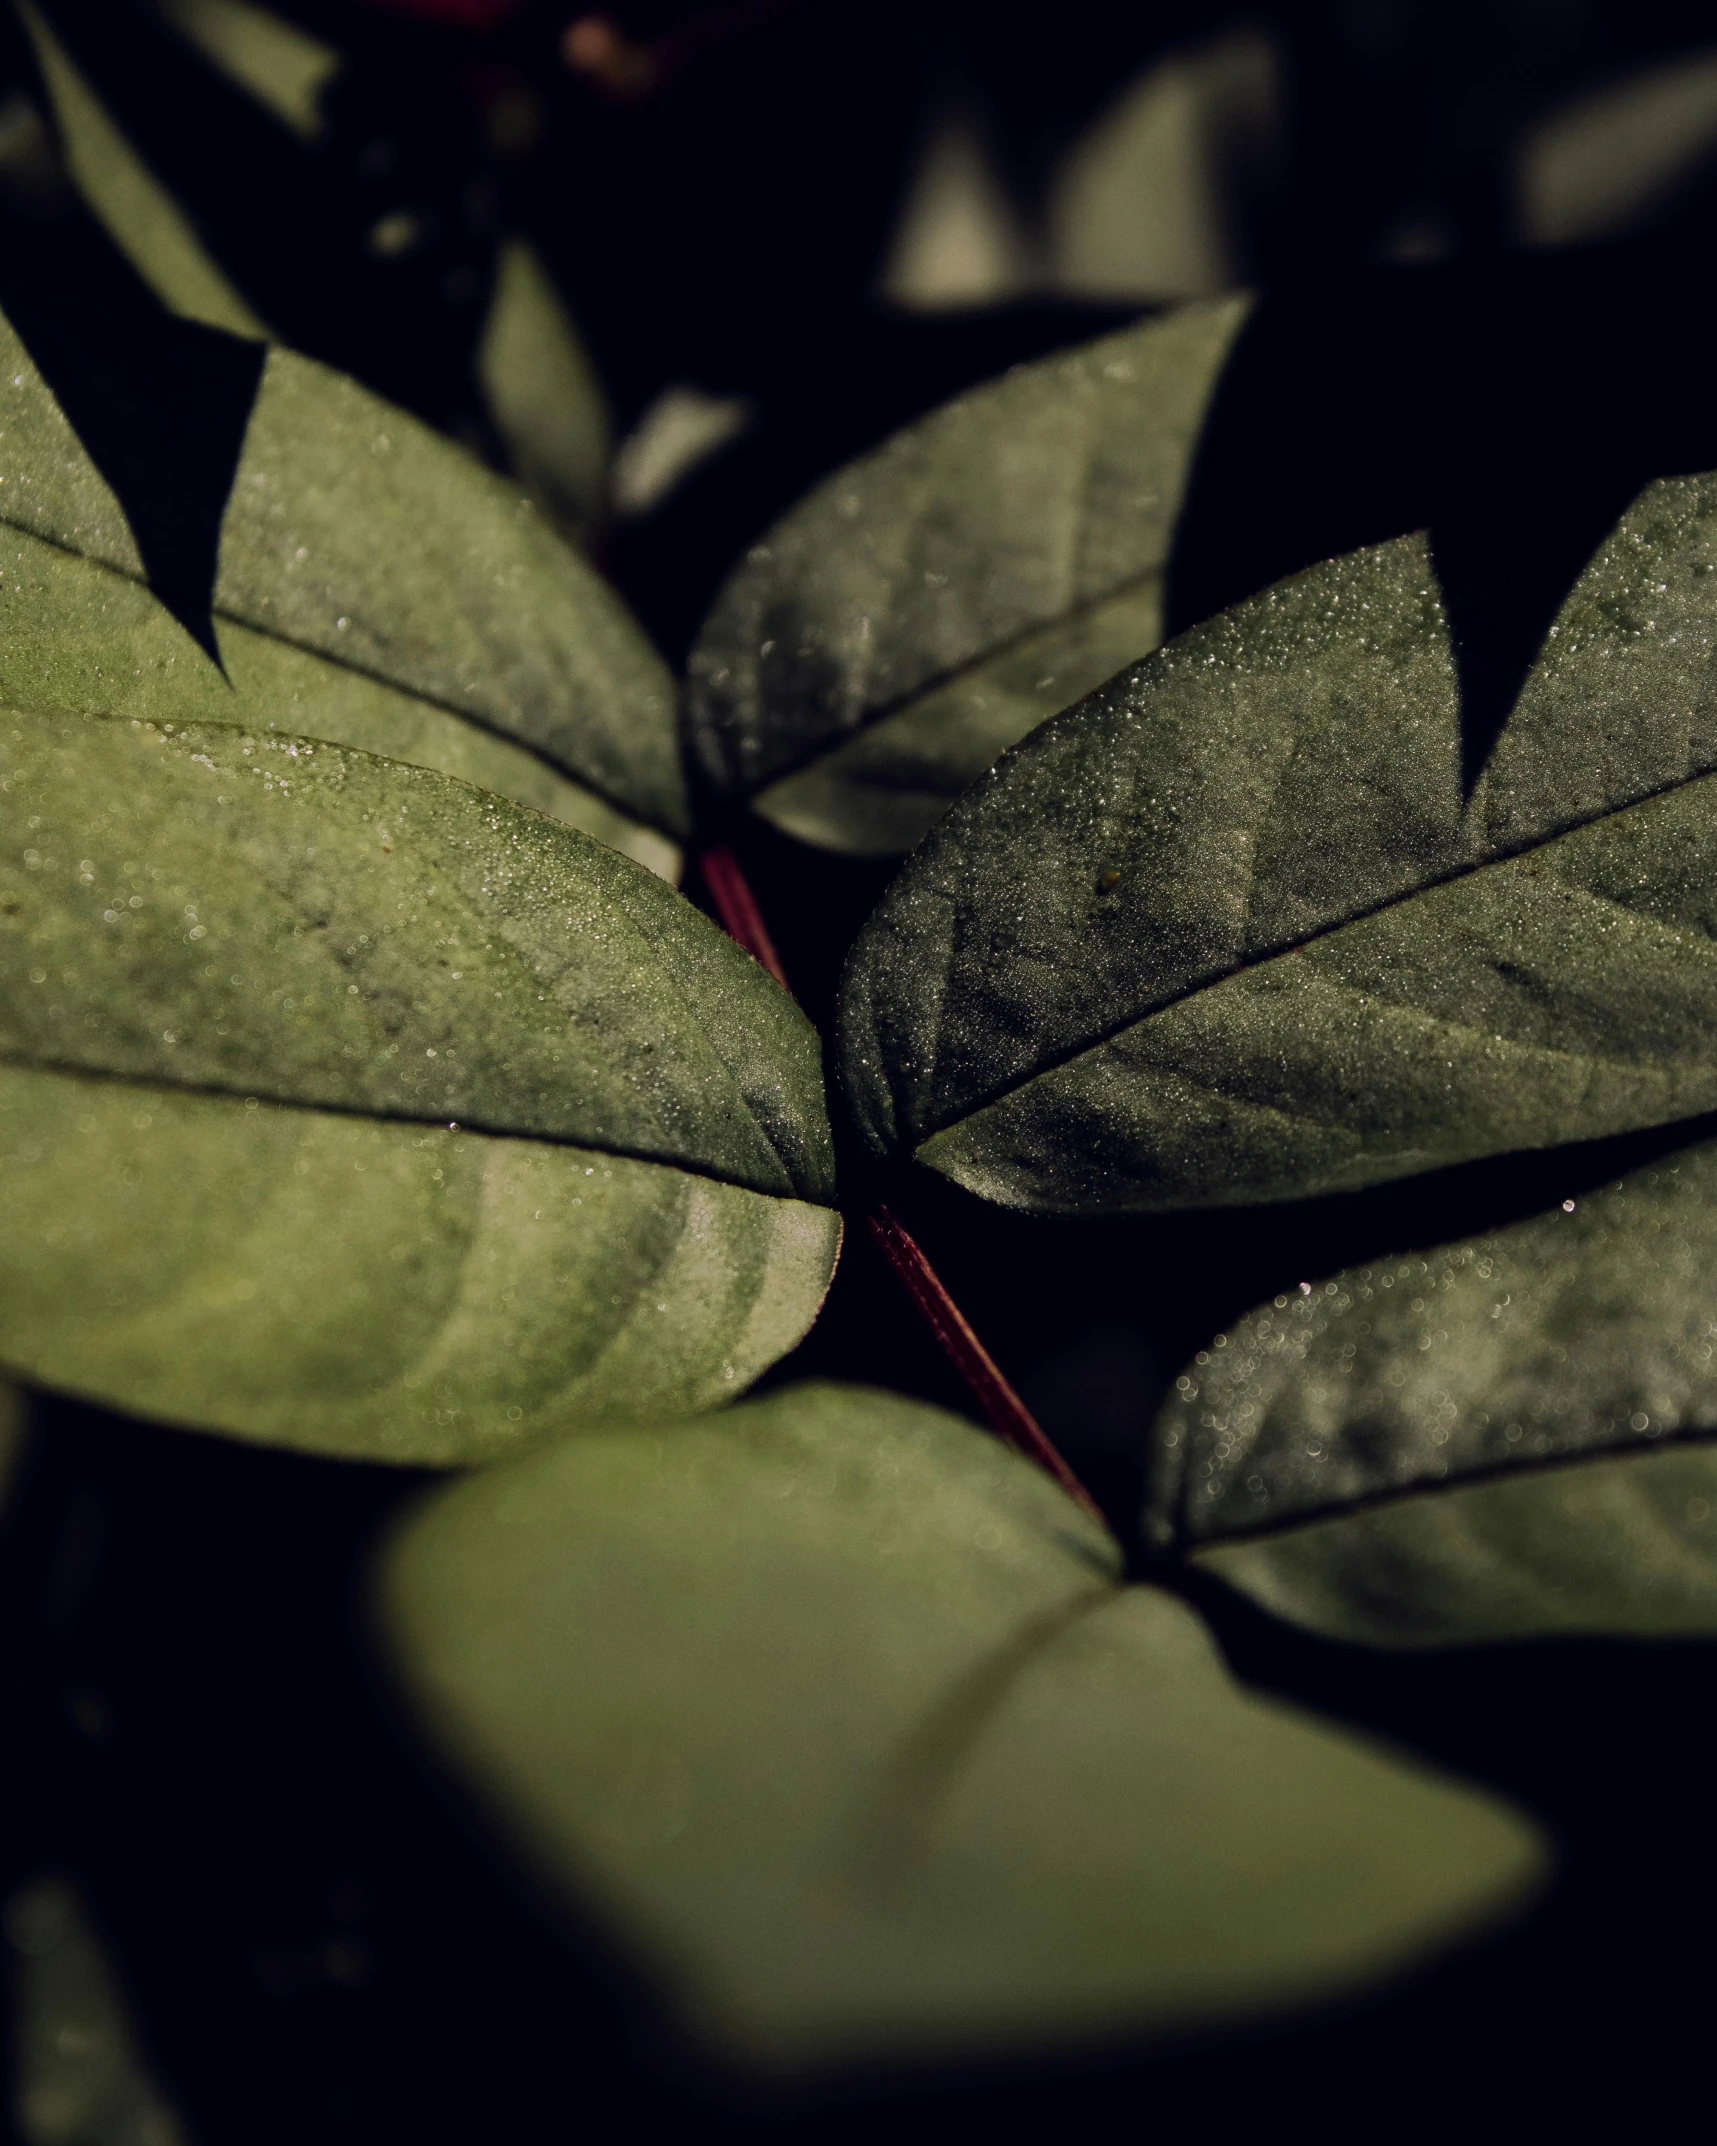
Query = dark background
x=319 y=1943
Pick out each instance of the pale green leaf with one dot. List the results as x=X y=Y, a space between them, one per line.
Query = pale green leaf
x=543 y=394
x=410 y=603
x=1230 y=931
x=278 y=63
x=261 y=1000
x=140 y=214
x=78 y=2074
x=1505 y=1436
x=927 y=606
x=837 y=1713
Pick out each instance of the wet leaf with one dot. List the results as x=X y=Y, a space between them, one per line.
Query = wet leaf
x=1508 y=1435
x=927 y=606
x=373 y=585
x=1230 y=930
x=837 y=1712
x=349 y=1107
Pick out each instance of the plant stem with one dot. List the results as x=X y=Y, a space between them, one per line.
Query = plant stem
x=736 y=906
x=1007 y=1414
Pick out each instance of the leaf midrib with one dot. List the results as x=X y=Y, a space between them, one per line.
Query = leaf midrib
x=903 y=703
x=214 y=1091
x=1283 y=951
x=477 y=722
x=642 y=926
x=1188 y=1546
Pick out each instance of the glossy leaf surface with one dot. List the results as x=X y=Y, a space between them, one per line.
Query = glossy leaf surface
x=1233 y=929
x=1507 y=1435
x=927 y=606
x=373 y=585
x=834 y=1707
x=260 y=999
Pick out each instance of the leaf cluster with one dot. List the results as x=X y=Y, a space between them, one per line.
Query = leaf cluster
x=368 y=1088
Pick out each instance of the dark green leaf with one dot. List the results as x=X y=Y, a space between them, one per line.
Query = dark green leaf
x=1508 y=1435
x=375 y=586
x=836 y=1709
x=926 y=607
x=249 y=987
x=14 y=1438
x=1230 y=930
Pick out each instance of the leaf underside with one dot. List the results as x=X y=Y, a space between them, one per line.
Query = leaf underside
x=1230 y=931
x=924 y=608
x=262 y=998
x=834 y=1707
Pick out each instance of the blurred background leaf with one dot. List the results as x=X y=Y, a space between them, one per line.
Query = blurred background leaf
x=81 y=2078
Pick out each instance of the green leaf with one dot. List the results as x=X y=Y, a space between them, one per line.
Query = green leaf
x=375 y=586
x=1230 y=931
x=1506 y=1436
x=926 y=607
x=538 y=385
x=140 y=214
x=277 y=62
x=837 y=1711
x=346 y=1106
x=79 y=2076
x=543 y=395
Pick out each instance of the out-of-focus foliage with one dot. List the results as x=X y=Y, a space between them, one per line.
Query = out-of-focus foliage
x=78 y=2075
x=838 y=1709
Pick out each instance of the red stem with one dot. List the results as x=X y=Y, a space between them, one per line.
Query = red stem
x=1008 y=1415
x=736 y=906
